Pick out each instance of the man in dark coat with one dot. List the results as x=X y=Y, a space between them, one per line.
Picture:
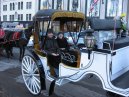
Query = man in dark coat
x=51 y=47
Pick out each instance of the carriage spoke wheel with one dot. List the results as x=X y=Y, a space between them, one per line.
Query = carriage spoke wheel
x=31 y=76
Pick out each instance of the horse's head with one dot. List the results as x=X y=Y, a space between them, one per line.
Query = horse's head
x=25 y=36
x=28 y=32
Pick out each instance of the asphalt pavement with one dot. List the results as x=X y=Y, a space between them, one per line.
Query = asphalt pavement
x=12 y=84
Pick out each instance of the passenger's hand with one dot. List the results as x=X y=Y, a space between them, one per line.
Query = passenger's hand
x=62 y=48
x=54 y=54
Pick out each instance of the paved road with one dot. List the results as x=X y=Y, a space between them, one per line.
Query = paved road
x=12 y=83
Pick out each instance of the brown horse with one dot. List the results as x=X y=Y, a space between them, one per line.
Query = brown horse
x=16 y=39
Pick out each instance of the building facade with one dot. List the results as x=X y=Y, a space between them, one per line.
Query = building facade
x=0 y=10
x=18 y=10
x=91 y=8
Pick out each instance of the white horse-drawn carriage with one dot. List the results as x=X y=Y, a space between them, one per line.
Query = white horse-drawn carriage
x=108 y=60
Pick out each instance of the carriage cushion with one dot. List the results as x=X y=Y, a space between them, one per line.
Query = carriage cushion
x=118 y=43
x=104 y=24
x=2 y=33
x=69 y=58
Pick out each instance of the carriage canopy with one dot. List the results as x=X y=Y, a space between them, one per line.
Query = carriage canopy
x=52 y=14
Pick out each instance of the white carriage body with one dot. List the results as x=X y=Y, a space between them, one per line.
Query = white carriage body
x=105 y=66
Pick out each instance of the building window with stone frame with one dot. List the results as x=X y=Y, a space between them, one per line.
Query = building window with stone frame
x=28 y=17
x=28 y=5
x=4 y=7
x=13 y=6
x=11 y=17
x=10 y=6
x=19 y=4
x=114 y=8
x=20 y=17
x=93 y=8
x=22 y=5
x=4 y=17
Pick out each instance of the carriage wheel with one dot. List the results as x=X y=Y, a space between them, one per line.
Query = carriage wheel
x=31 y=76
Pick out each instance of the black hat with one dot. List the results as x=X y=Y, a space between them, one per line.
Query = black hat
x=60 y=33
x=49 y=31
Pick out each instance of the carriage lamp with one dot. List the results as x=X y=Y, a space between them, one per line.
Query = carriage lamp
x=89 y=41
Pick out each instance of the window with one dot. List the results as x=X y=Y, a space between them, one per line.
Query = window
x=65 y=4
x=19 y=4
x=114 y=8
x=13 y=6
x=28 y=5
x=77 y=5
x=10 y=6
x=82 y=6
x=11 y=17
x=93 y=8
x=20 y=17
x=4 y=7
x=74 y=5
x=28 y=17
x=59 y=5
x=4 y=17
x=45 y=4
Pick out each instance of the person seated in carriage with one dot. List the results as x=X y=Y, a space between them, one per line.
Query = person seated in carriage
x=51 y=47
x=62 y=42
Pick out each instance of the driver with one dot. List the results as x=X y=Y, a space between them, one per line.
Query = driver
x=51 y=47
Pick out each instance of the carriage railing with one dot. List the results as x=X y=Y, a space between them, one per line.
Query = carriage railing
x=68 y=57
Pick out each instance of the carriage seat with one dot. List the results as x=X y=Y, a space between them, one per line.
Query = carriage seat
x=118 y=43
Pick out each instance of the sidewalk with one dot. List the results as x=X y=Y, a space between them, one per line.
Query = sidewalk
x=3 y=92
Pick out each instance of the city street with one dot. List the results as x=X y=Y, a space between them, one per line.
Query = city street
x=81 y=45
x=13 y=86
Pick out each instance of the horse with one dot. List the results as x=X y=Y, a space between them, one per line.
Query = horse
x=4 y=42
x=22 y=42
x=16 y=39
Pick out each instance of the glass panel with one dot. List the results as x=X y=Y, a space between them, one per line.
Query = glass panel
x=50 y=4
x=55 y=4
x=46 y=4
x=65 y=4
x=93 y=8
x=74 y=5
x=56 y=26
x=114 y=8
x=82 y=6
x=58 y=4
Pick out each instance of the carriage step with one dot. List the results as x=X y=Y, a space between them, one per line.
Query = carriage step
x=122 y=81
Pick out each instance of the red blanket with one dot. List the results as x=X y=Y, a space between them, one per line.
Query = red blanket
x=2 y=33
